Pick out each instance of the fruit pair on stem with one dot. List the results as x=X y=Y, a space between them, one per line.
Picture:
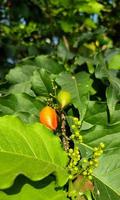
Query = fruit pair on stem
x=48 y=115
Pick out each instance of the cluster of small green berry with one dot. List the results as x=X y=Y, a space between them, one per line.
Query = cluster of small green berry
x=88 y=165
x=74 y=155
x=76 y=130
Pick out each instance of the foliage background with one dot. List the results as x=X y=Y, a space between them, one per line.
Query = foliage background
x=76 y=43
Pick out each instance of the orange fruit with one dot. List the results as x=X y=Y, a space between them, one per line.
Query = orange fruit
x=48 y=117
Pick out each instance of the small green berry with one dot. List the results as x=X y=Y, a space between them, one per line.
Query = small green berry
x=73 y=127
x=90 y=171
x=91 y=162
x=70 y=177
x=85 y=173
x=96 y=165
x=95 y=149
x=79 y=123
x=70 y=150
x=90 y=177
x=85 y=161
x=96 y=160
x=77 y=133
x=102 y=145
x=75 y=119
x=76 y=168
x=72 y=136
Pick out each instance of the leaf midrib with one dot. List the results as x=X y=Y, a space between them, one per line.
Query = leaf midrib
x=34 y=158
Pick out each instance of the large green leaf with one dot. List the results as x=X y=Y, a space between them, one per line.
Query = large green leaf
x=108 y=172
x=49 y=64
x=23 y=87
x=41 y=82
x=91 y=7
x=79 y=86
x=63 y=51
x=41 y=190
x=96 y=113
x=21 y=73
x=21 y=105
x=102 y=192
x=113 y=96
x=33 y=77
x=113 y=59
x=32 y=150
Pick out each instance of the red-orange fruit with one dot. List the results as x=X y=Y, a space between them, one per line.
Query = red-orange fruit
x=48 y=117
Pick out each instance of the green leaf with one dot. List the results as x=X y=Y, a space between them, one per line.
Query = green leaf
x=91 y=7
x=114 y=60
x=23 y=87
x=96 y=113
x=102 y=192
x=108 y=171
x=32 y=150
x=21 y=105
x=113 y=91
x=42 y=190
x=41 y=82
x=63 y=52
x=49 y=64
x=20 y=73
x=79 y=87
x=66 y=26
x=113 y=97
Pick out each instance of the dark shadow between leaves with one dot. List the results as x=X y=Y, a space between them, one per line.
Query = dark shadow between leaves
x=21 y=180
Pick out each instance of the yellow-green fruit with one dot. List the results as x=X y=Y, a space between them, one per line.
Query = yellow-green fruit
x=64 y=98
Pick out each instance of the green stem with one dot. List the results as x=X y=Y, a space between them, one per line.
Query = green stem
x=88 y=195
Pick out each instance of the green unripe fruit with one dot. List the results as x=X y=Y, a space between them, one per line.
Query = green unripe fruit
x=64 y=98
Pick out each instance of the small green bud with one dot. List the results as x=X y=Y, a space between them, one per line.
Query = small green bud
x=95 y=149
x=75 y=163
x=76 y=168
x=102 y=145
x=73 y=154
x=70 y=150
x=101 y=152
x=96 y=165
x=77 y=133
x=79 y=123
x=90 y=177
x=96 y=160
x=85 y=160
x=85 y=173
x=75 y=119
x=80 y=139
x=96 y=154
x=90 y=171
x=73 y=127
x=72 y=136
x=91 y=162
x=70 y=177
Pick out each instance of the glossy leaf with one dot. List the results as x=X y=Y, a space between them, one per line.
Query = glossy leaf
x=108 y=171
x=31 y=150
x=79 y=87
x=49 y=64
x=25 y=107
x=102 y=192
x=114 y=60
x=41 y=82
x=42 y=190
